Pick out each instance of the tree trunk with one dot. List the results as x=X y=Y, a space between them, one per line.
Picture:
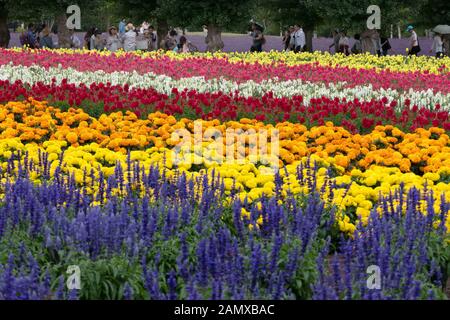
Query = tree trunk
x=63 y=32
x=309 y=34
x=163 y=29
x=4 y=31
x=108 y=22
x=214 y=39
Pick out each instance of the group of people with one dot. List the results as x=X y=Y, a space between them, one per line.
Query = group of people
x=294 y=39
x=170 y=43
x=37 y=37
x=372 y=41
x=126 y=37
x=144 y=38
x=439 y=46
x=131 y=38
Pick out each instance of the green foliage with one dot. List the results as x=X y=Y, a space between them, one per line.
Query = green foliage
x=233 y=15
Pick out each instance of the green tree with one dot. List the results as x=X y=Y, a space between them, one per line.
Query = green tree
x=307 y=13
x=216 y=15
x=352 y=14
x=157 y=11
x=4 y=31
x=431 y=12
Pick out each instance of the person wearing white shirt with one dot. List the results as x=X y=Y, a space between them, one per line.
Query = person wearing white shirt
x=142 y=40
x=144 y=26
x=415 y=47
x=113 y=41
x=129 y=38
x=75 y=42
x=298 y=39
x=344 y=44
x=438 y=46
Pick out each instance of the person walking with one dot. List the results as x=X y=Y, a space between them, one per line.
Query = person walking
x=113 y=41
x=258 y=39
x=438 y=46
x=129 y=38
x=414 y=40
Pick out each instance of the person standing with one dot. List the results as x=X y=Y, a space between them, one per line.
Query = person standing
x=183 y=45
x=75 y=42
x=336 y=37
x=357 y=46
x=287 y=39
x=113 y=41
x=344 y=44
x=88 y=36
x=142 y=38
x=258 y=39
x=170 y=42
x=446 y=44
x=144 y=26
x=40 y=32
x=46 y=40
x=28 y=38
x=152 y=39
x=377 y=42
x=298 y=39
x=129 y=38
x=385 y=45
x=414 y=40
x=97 y=41
x=122 y=27
x=438 y=46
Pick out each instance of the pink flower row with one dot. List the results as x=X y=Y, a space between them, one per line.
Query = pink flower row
x=239 y=72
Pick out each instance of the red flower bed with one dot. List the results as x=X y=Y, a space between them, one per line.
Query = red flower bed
x=355 y=115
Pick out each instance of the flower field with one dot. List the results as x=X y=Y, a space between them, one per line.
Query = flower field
x=93 y=175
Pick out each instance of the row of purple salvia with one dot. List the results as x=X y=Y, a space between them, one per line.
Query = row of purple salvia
x=186 y=244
